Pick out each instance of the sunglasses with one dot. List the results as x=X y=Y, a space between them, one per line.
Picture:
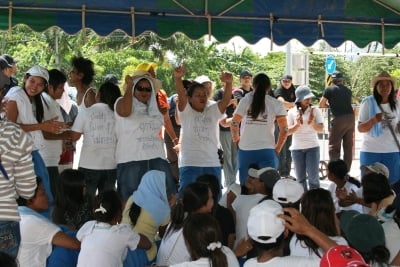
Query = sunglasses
x=143 y=89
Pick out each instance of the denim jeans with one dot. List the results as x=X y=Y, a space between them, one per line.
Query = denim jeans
x=391 y=161
x=306 y=167
x=129 y=175
x=10 y=237
x=189 y=175
x=101 y=180
x=261 y=158
x=230 y=165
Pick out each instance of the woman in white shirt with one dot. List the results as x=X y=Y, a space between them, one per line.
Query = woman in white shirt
x=304 y=122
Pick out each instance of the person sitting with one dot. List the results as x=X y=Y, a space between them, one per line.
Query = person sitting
x=38 y=234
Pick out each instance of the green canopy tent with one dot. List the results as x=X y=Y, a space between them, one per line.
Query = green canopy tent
x=335 y=21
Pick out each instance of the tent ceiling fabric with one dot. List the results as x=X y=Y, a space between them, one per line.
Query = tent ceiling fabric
x=335 y=21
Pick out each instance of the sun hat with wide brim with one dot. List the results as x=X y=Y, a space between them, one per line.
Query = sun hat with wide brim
x=383 y=76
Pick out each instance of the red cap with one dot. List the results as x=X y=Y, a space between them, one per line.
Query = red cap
x=342 y=256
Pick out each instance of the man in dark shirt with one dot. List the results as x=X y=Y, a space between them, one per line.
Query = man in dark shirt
x=285 y=94
x=230 y=164
x=338 y=99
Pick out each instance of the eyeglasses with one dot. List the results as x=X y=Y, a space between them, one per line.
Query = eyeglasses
x=286 y=81
x=143 y=89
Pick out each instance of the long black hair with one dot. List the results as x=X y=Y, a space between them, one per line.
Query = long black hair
x=262 y=85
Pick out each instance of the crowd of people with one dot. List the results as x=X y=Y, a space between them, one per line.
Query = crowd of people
x=148 y=178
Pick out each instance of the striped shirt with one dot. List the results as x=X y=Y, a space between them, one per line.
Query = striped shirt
x=15 y=157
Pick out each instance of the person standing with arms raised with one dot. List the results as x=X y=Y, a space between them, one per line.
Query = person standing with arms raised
x=338 y=98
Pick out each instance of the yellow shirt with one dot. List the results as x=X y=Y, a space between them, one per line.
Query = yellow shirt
x=145 y=225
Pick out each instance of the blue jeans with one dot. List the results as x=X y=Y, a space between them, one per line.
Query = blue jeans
x=10 y=237
x=306 y=166
x=189 y=174
x=230 y=165
x=102 y=180
x=261 y=158
x=129 y=175
x=391 y=161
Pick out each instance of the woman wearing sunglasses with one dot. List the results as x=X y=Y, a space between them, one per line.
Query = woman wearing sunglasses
x=139 y=145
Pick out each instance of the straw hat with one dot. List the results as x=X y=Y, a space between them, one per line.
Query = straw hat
x=384 y=76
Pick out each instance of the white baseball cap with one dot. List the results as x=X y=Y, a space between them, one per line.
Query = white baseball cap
x=287 y=191
x=264 y=225
x=39 y=71
x=377 y=167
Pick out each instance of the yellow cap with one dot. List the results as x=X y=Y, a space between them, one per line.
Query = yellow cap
x=146 y=66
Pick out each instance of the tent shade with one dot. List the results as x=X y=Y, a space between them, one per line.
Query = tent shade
x=335 y=21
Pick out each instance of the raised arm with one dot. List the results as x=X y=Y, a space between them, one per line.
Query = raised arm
x=227 y=79
x=124 y=105
x=179 y=72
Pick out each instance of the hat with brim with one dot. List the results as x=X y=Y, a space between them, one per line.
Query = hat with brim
x=383 y=76
x=146 y=66
x=39 y=71
x=303 y=92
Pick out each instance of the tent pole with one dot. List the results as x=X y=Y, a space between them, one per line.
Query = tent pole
x=133 y=24
x=10 y=11
x=271 y=35
x=383 y=35
x=84 y=21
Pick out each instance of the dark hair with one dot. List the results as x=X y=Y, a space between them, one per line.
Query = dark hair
x=195 y=196
x=193 y=86
x=378 y=254
x=261 y=247
x=392 y=97
x=85 y=66
x=6 y=260
x=134 y=213
x=375 y=187
x=212 y=181
x=318 y=207
x=70 y=199
x=56 y=78
x=261 y=84
x=108 y=206
x=109 y=93
x=22 y=201
x=37 y=100
x=339 y=168
x=199 y=231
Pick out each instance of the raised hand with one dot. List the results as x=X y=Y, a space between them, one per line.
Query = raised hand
x=179 y=71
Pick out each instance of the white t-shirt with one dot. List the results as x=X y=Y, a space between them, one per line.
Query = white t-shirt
x=299 y=248
x=52 y=148
x=26 y=114
x=105 y=245
x=97 y=124
x=36 y=240
x=242 y=205
x=305 y=136
x=172 y=249
x=288 y=261
x=349 y=187
x=205 y=262
x=392 y=237
x=138 y=134
x=259 y=133
x=383 y=143
x=200 y=136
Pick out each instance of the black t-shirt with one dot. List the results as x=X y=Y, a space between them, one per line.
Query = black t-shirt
x=229 y=110
x=339 y=98
x=287 y=94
